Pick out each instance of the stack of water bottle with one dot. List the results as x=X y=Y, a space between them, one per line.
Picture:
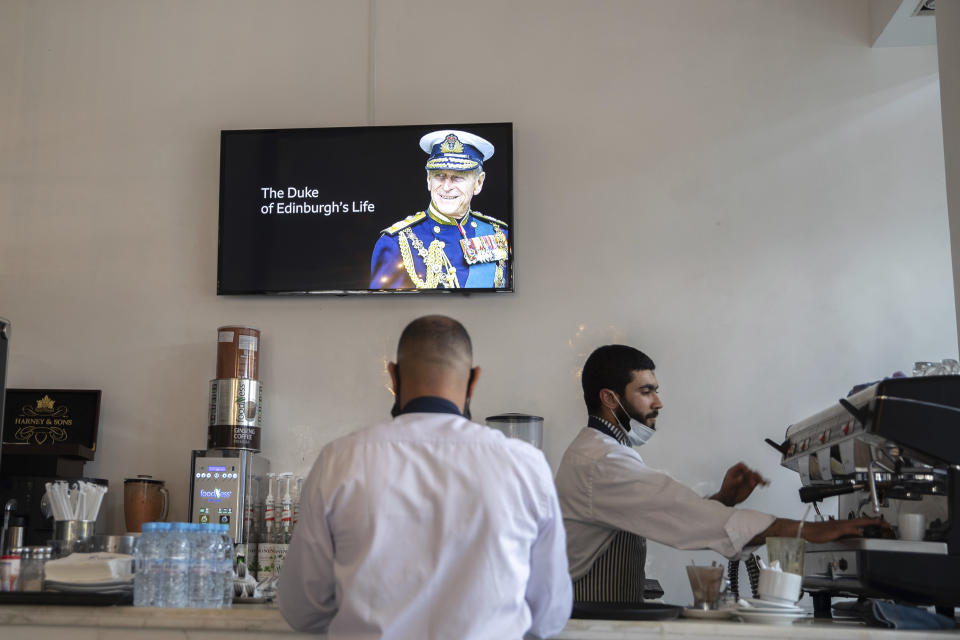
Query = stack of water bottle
x=183 y=564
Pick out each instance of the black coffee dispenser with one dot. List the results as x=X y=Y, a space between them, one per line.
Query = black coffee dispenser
x=45 y=436
x=8 y=505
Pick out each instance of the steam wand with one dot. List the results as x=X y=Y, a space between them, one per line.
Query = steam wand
x=874 y=499
x=7 y=510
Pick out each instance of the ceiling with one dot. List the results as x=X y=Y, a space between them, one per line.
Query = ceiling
x=903 y=23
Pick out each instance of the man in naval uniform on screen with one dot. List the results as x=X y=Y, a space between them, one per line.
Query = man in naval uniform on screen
x=449 y=245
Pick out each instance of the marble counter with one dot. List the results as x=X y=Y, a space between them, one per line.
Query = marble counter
x=251 y=622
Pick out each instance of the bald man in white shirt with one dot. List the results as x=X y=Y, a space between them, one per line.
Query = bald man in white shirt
x=429 y=525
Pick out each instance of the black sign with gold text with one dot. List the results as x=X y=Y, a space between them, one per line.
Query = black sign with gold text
x=60 y=422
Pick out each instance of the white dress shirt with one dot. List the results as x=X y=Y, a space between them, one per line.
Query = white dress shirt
x=605 y=486
x=428 y=526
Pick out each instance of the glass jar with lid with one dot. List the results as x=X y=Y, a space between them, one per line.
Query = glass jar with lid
x=32 y=563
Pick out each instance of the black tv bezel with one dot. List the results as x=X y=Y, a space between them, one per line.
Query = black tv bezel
x=510 y=188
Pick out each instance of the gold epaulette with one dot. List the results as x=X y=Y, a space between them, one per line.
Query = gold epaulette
x=489 y=219
x=403 y=224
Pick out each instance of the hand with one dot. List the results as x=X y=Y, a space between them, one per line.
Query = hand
x=823 y=531
x=738 y=483
x=833 y=529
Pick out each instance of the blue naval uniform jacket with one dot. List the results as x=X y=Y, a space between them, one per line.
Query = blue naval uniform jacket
x=387 y=270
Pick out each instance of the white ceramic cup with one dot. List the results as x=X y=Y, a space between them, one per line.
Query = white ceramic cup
x=912 y=526
x=779 y=586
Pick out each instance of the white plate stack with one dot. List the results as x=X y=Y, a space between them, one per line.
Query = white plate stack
x=768 y=611
x=708 y=614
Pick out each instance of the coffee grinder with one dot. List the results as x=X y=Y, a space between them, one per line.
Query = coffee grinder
x=226 y=478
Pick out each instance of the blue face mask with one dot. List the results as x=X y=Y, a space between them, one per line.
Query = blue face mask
x=637 y=433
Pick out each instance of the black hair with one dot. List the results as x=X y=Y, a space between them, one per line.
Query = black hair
x=611 y=367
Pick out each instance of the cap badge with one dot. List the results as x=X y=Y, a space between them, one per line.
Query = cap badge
x=451 y=144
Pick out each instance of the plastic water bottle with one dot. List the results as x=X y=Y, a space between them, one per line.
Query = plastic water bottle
x=226 y=567
x=146 y=560
x=212 y=560
x=206 y=585
x=196 y=568
x=175 y=578
x=155 y=564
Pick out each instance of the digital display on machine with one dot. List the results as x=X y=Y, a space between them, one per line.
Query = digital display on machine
x=216 y=468
x=352 y=210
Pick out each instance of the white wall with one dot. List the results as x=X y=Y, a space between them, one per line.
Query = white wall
x=948 y=54
x=744 y=189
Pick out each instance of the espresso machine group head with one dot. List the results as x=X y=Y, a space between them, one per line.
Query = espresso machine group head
x=891 y=448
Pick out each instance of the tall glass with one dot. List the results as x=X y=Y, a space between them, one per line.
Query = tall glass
x=788 y=552
x=705 y=583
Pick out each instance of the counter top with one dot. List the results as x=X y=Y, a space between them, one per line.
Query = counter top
x=29 y=622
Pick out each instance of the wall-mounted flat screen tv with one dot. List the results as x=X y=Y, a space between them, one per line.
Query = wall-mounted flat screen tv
x=380 y=209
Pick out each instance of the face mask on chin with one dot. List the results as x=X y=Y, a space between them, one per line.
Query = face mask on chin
x=637 y=433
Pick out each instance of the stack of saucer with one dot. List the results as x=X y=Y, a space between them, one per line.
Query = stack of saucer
x=708 y=614
x=768 y=611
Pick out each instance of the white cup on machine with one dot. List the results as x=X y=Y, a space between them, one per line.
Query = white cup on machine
x=912 y=526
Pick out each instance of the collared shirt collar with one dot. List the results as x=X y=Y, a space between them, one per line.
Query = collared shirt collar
x=608 y=428
x=430 y=404
x=445 y=219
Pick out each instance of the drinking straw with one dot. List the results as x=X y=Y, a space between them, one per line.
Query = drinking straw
x=696 y=576
x=54 y=503
x=85 y=493
x=81 y=509
x=63 y=491
x=73 y=498
x=804 y=519
x=96 y=493
x=93 y=506
x=59 y=503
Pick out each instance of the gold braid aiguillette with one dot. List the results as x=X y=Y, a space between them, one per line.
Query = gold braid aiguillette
x=501 y=242
x=434 y=259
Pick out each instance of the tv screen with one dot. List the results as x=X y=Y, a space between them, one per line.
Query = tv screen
x=367 y=210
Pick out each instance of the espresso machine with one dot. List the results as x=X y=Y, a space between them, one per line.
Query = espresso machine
x=889 y=449
x=226 y=479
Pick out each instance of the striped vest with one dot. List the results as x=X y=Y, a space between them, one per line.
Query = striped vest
x=618 y=574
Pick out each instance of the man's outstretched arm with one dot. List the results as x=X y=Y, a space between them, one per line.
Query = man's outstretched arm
x=824 y=531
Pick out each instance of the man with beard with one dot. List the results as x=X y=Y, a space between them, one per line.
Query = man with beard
x=612 y=501
x=428 y=525
x=448 y=245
